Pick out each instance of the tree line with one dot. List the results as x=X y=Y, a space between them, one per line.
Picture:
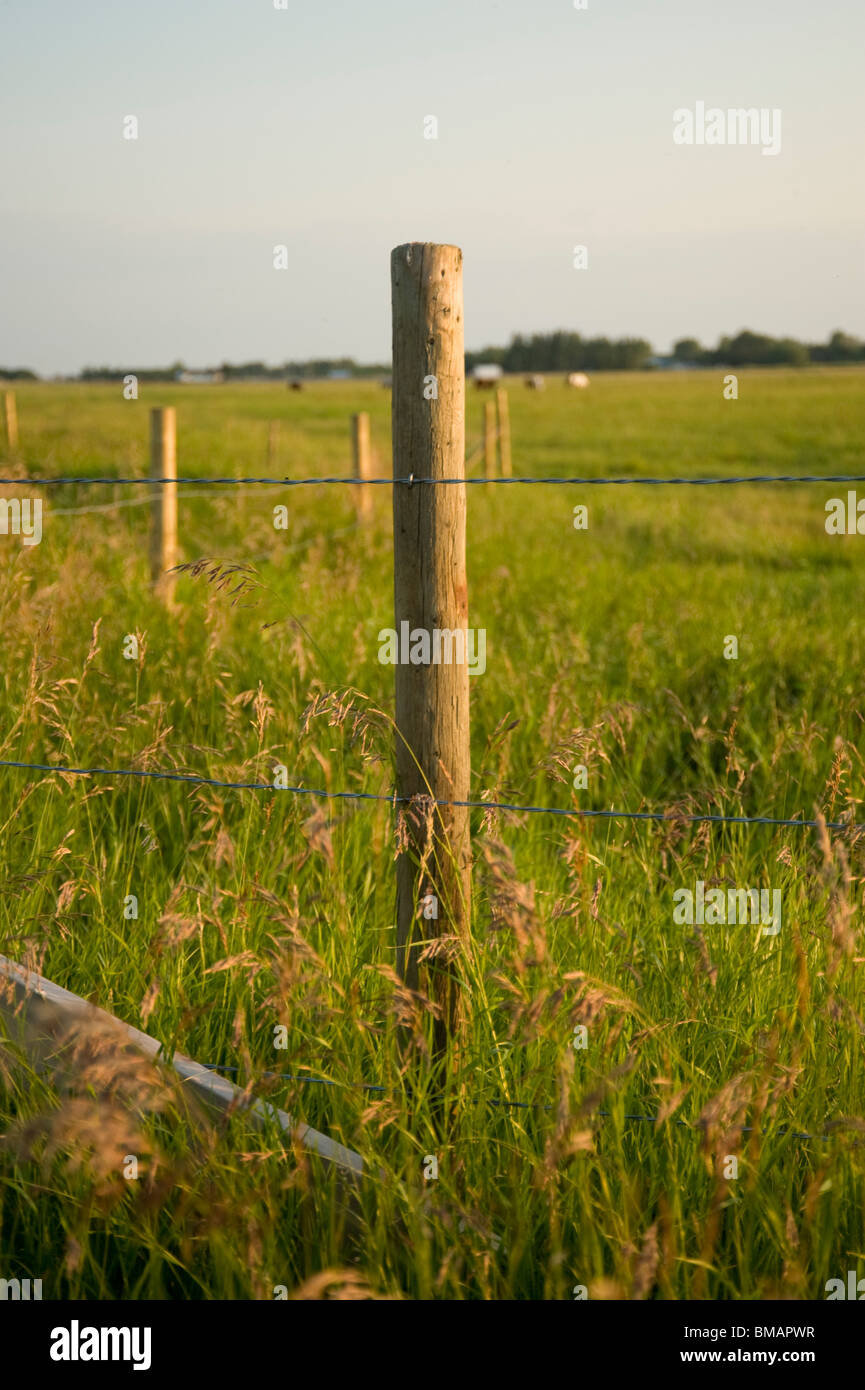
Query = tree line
x=245 y=371
x=565 y=352
x=758 y=350
x=542 y=352
x=570 y=352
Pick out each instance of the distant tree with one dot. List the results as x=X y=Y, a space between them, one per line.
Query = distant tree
x=793 y=353
x=748 y=347
x=842 y=347
x=688 y=350
x=632 y=354
x=601 y=355
x=516 y=357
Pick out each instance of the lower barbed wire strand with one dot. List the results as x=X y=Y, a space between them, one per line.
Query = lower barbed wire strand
x=694 y=818
x=511 y=1104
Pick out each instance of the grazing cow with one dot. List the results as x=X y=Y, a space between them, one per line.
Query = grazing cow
x=576 y=379
x=535 y=383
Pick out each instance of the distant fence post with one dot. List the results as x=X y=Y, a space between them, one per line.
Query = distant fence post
x=504 y=431
x=430 y=594
x=489 y=440
x=362 y=462
x=11 y=422
x=163 y=505
x=272 y=438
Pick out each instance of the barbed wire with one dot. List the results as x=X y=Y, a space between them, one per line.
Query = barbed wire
x=412 y=481
x=507 y=1104
x=669 y=814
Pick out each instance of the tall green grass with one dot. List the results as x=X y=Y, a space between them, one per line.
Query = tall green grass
x=257 y=910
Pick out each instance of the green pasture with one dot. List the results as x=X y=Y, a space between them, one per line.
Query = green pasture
x=261 y=910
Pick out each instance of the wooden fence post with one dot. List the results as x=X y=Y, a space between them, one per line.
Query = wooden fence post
x=504 y=431
x=272 y=437
x=362 y=462
x=11 y=422
x=430 y=594
x=489 y=440
x=163 y=506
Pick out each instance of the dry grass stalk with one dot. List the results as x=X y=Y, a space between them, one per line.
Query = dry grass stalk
x=105 y=1091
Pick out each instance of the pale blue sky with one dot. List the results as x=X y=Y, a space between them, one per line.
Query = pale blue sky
x=305 y=127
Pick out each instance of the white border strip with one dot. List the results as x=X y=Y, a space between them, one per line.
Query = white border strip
x=213 y=1089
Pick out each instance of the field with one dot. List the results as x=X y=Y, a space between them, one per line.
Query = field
x=605 y=648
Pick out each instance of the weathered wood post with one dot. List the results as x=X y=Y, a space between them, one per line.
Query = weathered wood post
x=430 y=597
x=504 y=431
x=362 y=462
x=163 y=505
x=489 y=440
x=11 y=422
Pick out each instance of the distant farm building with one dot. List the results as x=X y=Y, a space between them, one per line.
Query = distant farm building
x=486 y=374
x=669 y=364
x=199 y=378
x=576 y=379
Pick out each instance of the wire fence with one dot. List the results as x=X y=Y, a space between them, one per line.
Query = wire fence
x=411 y=481
x=669 y=814
x=524 y=1104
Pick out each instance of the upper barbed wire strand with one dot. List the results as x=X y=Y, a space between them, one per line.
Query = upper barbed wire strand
x=444 y=482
